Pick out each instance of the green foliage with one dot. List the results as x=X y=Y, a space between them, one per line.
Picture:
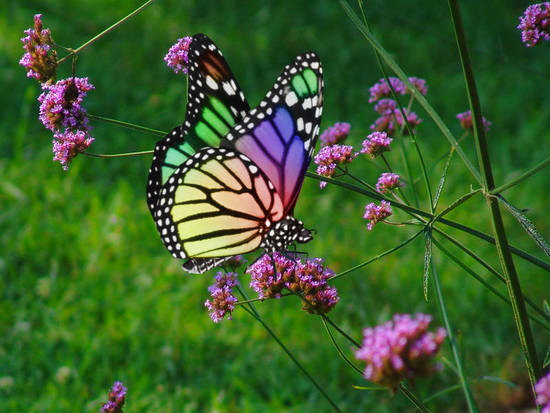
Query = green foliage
x=88 y=294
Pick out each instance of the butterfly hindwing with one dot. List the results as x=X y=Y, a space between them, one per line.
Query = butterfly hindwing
x=218 y=204
x=280 y=134
x=215 y=104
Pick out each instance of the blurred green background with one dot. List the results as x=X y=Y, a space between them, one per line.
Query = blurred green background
x=88 y=293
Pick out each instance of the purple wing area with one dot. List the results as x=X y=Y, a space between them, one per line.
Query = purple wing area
x=278 y=151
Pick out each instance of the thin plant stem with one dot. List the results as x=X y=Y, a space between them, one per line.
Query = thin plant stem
x=127 y=125
x=409 y=171
x=342 y=332
x=512 y=280
x=472 y=407
x=377 y=257
x=411 y=210
x=338 y=349
x=541 y=165
x=104 y=32
x=418 y=96
x=257 y=316
x=487 y=266
x=414 y=400
x=116 y=155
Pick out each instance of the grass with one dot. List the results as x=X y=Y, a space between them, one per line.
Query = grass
x=89 y=294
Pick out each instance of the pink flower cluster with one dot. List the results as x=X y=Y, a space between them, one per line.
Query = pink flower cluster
x=68 y=144
x=177 y=57
x=400 y=349
x=382 y=88
x=223 y=301
x=535 y=24
x=376 y=143
x=543 y=393
x=40 y=60
x=466 y=122
x=330 y=156
x=335 y=134
x=388 y=182
x=117 y=395
x=376 y=213
x=270 y=276
x=61 y=111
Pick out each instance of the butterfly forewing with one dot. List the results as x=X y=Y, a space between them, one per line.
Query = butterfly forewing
x=215 y=104
x=280 y=134
x=219 y=203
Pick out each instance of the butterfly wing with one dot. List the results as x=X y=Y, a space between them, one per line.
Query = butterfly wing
x=280 y=134
x=218 y=204
x=215 y=103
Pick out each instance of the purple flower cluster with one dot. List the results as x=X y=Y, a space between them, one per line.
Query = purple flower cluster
x=61 y=104
x=330 y=156
x=223 y=301
x=400 y=349
x=376 y=143
x=543 y=393
x=270 y=276
x=40 y=60
x=68 y=144
x=61 y=111
x=388 y=182
x=382 y=88
x=392 y=120
x=535 y=24
x=335 y=134
x=376 y=213
x=177 y=57
x=117 y=395
x=466 y=122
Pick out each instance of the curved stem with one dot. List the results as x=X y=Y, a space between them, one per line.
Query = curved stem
x=127 y=125
x=104 y=32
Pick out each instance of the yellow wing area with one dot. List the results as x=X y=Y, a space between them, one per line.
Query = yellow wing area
x=222 y=205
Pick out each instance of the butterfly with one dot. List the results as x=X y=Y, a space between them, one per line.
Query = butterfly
x=238 y=194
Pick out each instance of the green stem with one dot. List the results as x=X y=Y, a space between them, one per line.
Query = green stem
x=116 y=155
x=377 y=257
x=338 y=349
x=342 y=332
x=104 y=32
x=418 y=96
x=522 y=177
x=489 y=268
x=512 y=281
x=472 y=407
x=128 y=125
x=410 y=176
x=411 y=210
x=257 y=316
x=410 y=395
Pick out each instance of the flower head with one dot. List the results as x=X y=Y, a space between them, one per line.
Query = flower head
x=382 y=88
x=271 y=275
x=117 y=395
x=330 y=156
x=376 y=143
x=392 y=120
x=376 y=213
x=335 y=134
x=542 y=389
x=177 y=57
x=399 y=349
x=388 y=182
x=61 y=104
x=68 y=144
x=40 y=60
x=466 y=122
x=535 y=24
x=223 y=301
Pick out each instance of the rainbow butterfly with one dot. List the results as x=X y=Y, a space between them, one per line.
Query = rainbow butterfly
x=227 y=180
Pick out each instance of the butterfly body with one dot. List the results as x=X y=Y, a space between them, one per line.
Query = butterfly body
x=238 y=191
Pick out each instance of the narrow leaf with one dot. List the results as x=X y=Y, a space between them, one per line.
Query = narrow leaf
x=527 y=225
x=546 y=307
x=442 y=180
x=427 y=260
x=546 y=361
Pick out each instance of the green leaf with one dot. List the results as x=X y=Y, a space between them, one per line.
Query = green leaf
x=546 y=361
x=526 y=224
x=427 y=260
x=546 y=307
